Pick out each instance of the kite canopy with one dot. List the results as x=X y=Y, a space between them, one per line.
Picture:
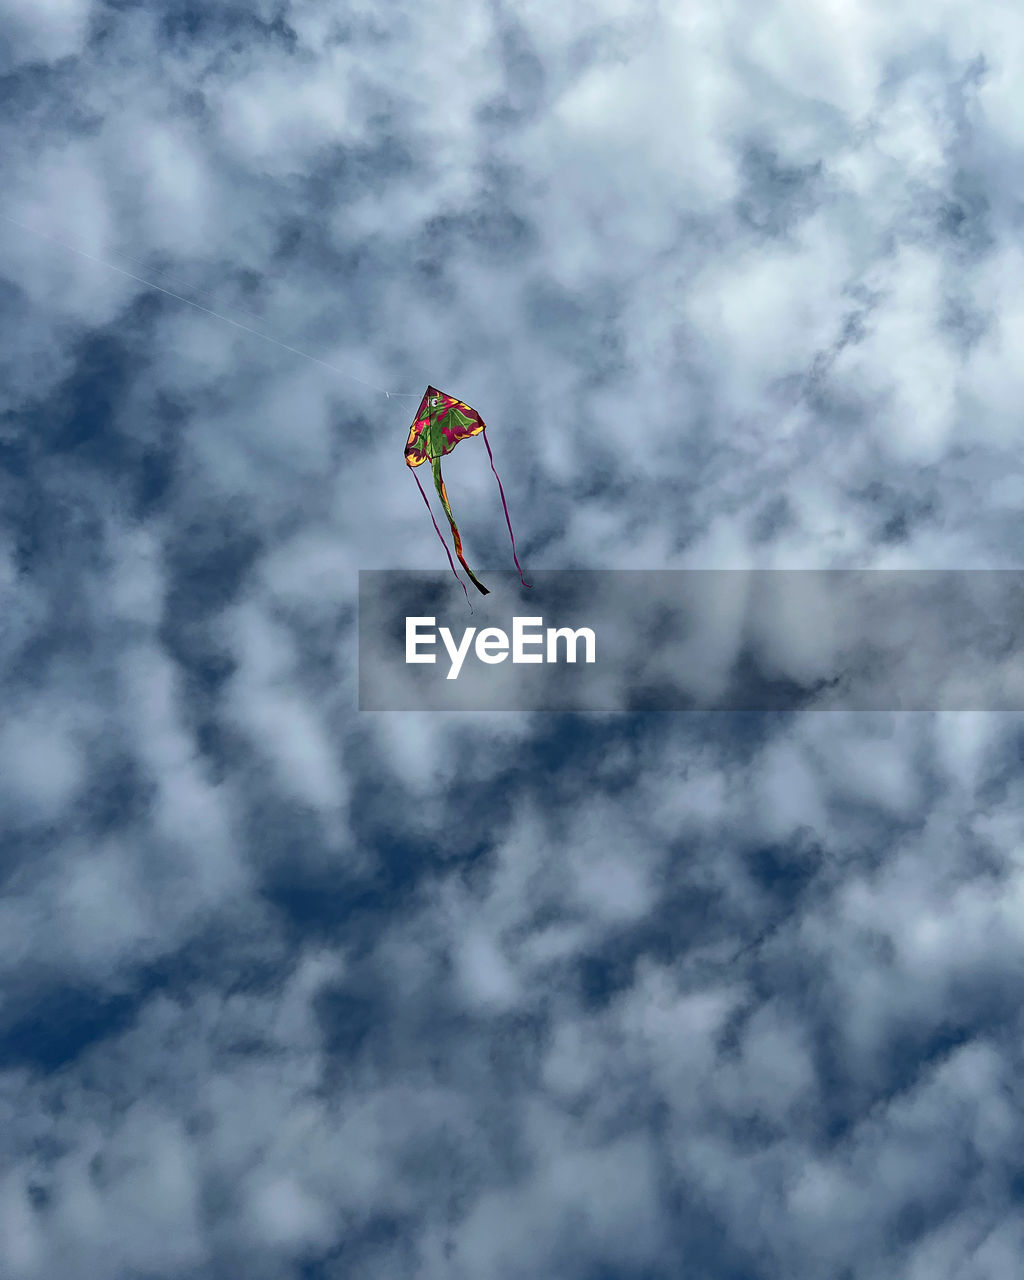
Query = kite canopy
x=440 y=424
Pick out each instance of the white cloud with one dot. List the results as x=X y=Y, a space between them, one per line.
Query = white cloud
x=733 y=286
x=44 y=765
x=45 y=30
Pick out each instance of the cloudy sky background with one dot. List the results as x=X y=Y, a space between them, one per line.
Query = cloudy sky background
x=296 y=993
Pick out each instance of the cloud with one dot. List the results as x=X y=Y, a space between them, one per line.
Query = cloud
x=290 y=989
x=45 y=32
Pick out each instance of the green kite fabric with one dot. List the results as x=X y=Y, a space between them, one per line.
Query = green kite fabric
x=440 y=424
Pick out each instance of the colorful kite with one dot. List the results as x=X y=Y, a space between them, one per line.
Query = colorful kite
x=441 y=422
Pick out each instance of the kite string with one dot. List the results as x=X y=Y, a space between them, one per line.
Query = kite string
x=443 y=543
x=504 y=507
x=150 y=284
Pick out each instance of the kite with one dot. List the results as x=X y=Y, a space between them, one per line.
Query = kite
x=440 y=424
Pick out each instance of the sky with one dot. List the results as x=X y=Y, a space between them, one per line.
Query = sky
x=292 y=991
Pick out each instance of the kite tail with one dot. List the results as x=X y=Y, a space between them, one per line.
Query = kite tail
x=504 y=506
x=442 y=493
x=441 y=536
